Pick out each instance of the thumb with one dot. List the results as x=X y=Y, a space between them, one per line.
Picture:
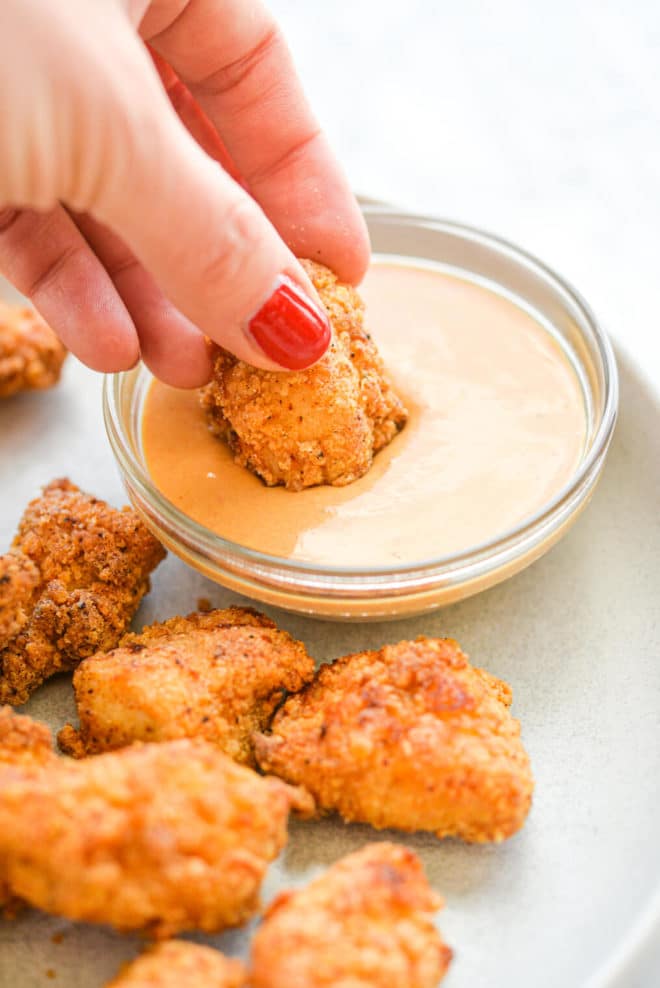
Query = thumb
x=207 y=243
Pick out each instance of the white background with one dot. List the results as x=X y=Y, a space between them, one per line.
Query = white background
x=537 y=121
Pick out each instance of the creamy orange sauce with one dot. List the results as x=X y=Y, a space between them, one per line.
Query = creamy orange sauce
x=497 y=426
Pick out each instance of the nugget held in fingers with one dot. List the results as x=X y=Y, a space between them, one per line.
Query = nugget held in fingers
x=318 y=426
x=161 y=837
x=180 y=964
x=217 y=675
x=31 y=356
x=412 y=737
x=365 y=923
x=93 y=563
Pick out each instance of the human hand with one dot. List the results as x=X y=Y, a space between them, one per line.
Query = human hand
x=115 y=219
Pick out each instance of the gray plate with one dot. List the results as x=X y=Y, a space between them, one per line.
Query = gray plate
x=573 y=899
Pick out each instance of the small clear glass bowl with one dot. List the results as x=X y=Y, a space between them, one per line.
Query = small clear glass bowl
x=387 y=592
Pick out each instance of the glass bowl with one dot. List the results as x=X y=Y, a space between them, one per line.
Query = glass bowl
x=387 y=592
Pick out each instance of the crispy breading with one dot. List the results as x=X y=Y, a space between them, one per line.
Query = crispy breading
x=24 y=742
x=179 y=964
x=93 y=563
x=317 y=426
x=365 y=923
x=31 y=356
x=26 y=745
x=19 y=578
x=217 y=675
x=159 y=837
x=411 y=736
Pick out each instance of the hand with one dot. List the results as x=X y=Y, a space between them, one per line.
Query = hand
x=116 y=217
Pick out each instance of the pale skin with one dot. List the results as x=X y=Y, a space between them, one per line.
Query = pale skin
x=117 y=218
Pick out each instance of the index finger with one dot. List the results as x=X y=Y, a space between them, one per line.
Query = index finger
x=233 y=58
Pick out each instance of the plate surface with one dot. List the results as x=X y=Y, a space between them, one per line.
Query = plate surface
x=570 y=900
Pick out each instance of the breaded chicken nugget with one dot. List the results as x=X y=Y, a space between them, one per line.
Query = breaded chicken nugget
x=19 y=578
x=160 y=837
x=217 y=675
x=318 y=426
x=25 y=745
x=365 y=923
x=179 y=964
x=411 y=737
x=31 y=356
x=93 y=565
x=24 y=742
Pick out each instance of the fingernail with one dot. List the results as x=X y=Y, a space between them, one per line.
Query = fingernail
x=289 y=327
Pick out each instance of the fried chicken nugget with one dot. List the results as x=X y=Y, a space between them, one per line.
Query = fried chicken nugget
x=24 y=742
x=365 y=923
x=25 y=745
x=318 y=426
x=19 y=578
x=31 y=356
x=412 y=737
x=159 y=837
x=93 y=564
x=179 y=964
x=217 y=675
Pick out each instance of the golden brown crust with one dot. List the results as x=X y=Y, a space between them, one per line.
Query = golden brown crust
x=318 y=426
x=31 y=356
x=179 y=964
x=411 y=737
x=202 y=620
x=19 y=578
x=23 y=741
x=25 y=745
x=365 y=923
x=163 y=837
x=217 y=675
x=93 y=563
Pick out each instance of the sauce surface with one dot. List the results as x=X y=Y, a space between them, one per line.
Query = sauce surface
x=497 y=426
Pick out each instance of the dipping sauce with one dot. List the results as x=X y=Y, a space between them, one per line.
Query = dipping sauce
x=497 y=427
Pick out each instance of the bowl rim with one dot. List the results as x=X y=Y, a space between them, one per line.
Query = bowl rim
x=424 y=573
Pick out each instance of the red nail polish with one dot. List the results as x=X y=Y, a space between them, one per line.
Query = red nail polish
x=289 y=328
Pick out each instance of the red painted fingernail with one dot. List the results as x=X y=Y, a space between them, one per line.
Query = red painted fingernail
x=289 y=328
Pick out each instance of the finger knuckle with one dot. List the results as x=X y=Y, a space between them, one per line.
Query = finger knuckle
x=241 y=239
x=8 y=218
x=51 y=270
x=237 y=75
